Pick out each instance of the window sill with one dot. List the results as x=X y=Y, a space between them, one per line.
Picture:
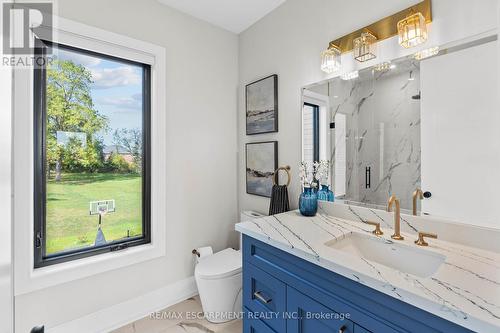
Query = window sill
x=44 y=277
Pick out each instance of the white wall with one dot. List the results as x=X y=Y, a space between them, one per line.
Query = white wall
x=6 y=301
x=289 y=40
x=460 y=146
x=201 y=139
x=6 y=290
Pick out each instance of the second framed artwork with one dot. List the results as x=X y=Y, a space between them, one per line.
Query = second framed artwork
x=262 y=106
x=261 y=162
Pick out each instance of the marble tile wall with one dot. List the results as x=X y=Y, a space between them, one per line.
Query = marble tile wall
x=383 y=133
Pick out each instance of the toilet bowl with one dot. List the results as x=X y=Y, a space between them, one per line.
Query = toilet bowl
x=219 y=280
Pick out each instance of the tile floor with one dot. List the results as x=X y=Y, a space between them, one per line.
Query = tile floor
x=179 y=319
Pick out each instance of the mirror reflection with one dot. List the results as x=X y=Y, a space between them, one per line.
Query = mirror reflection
x=369 y=128
x=409 y=124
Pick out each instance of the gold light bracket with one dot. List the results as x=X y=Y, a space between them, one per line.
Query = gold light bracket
x=386 y=27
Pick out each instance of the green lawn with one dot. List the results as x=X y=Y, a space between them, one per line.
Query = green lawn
x=69 y=224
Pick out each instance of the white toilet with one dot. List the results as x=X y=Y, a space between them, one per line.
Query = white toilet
x=219 y=280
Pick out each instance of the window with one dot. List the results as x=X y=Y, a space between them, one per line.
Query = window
x=340 y=155
x=311 y=132
x=92 y=154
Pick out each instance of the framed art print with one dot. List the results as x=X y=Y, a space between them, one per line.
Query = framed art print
x=261 y=162
x=262 y=106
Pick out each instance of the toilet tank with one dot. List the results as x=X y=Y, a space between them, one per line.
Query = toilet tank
x=248 y=215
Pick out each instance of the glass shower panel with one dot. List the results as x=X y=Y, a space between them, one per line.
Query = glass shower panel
x=381 y=137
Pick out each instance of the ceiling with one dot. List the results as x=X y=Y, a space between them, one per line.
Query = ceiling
x=232 y=15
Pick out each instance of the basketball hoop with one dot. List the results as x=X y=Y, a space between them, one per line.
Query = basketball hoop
x=101 y=208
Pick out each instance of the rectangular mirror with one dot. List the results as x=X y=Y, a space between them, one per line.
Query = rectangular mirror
x=410 y=124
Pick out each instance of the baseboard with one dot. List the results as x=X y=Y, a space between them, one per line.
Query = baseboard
x=118 y=315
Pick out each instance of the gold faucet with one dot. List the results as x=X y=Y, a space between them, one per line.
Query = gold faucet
x=421 y=241
x=417 y=194
x=397 y=217
x=377 y=230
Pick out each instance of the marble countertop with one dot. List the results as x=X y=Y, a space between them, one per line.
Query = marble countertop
x=465 y=289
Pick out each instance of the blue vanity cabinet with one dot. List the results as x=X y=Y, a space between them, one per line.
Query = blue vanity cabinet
x=282 y=293
x=265 y=298
x=313 y=317
x=253 y=325
x=359 y=329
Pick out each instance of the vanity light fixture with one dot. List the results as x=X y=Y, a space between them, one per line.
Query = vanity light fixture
x=432 y=51
x=412 y=30
x=364 y=47
x=408 y=24
x=392 y=66
x=331 y=59
x=350 y=75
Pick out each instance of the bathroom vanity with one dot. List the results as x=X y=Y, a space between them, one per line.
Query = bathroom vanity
x=414 y=133
x=330 y=273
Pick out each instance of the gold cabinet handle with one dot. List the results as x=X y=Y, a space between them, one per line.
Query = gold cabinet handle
x=342 y=329
x=261 y=298
x=377 y=230
x=421 y=240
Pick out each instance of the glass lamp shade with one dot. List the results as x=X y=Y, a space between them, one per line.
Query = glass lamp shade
x=331 y=59
x=382 y=67
x=364 y=47
x=412 y=30
x=427 y=53
x=350 y=75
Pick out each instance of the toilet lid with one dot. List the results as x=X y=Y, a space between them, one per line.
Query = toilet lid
x=221 y=264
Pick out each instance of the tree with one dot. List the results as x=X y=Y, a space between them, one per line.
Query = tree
x=70 y=109
x=117 y=163
x=79 y=157
x=131 y=141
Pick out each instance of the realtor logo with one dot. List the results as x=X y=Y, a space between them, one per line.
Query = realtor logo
x=19 y=22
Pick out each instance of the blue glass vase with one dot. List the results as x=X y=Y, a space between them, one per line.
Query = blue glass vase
x=308 y=202
x=324 y=194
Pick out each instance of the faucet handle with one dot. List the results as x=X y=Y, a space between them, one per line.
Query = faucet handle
x=377 y=230
x=421 y=241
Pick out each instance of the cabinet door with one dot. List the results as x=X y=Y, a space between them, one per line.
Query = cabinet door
x=264 y=296
x=308 y=316
x=359 y=329
x=252 y=325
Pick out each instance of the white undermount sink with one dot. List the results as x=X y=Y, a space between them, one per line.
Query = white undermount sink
x=407 y=259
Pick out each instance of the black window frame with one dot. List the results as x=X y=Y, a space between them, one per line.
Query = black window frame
x=41 y=259
x=315 y=111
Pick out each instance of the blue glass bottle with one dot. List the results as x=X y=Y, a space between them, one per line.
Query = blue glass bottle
x=331 y=195
x=308 y=202
x=325 y=194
